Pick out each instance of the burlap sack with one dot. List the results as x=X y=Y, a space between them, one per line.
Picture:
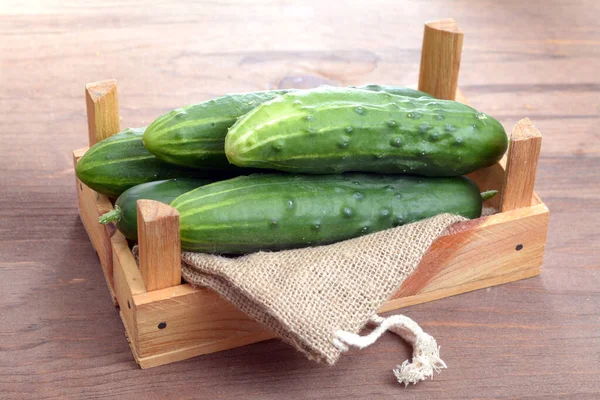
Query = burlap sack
x=307 y=295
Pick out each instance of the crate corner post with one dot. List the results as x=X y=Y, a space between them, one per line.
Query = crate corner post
x=159 y=244
x=102 y=103
x=521 y=166
x=103 y=121
x=440 y=58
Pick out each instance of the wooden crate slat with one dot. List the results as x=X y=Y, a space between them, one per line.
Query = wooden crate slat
x=91 y=206
x=491 y=250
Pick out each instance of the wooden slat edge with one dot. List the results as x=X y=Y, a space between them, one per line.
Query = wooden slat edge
x=480 y=253
x=128 y=282
x=91 y=206
x=202 y=349
x=198 y=319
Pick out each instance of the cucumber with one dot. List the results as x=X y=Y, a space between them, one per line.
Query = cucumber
x=334 y=130
x=125 y=212
x=397 y=90
x=194 y=135
x=121 y=161
x=274 y=212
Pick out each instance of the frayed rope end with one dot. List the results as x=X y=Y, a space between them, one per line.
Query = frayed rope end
x=426 y=353
x=421 y=368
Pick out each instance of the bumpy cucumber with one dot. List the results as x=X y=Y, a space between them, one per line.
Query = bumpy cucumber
x=125 y=212
x=333 y=130
x=194 y=135
x=121 y=161
x=272 y=211
x=397 y=90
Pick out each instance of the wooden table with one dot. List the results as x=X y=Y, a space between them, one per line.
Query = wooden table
x=61 y=337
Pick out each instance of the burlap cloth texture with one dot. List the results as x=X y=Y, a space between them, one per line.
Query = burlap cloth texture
x=307 y=295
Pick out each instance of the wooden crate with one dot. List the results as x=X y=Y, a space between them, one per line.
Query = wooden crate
x=167 y=321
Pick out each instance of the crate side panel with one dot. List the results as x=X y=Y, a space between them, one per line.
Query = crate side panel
x=200 y=319
x=497 y=249
x=127 y=282
x=91 y=206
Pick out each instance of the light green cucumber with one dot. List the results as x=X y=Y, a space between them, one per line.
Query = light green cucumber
x=194 y=135
x=334 y=130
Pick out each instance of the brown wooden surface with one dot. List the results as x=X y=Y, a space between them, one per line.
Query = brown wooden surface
x=440 y=58
x=102 y=104
x=521 y=166
x=159 y=244
x=60 y=336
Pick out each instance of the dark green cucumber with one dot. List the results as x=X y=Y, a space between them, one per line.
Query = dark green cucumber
x=121 y=161
x=333 y=130
x=397 y=90
x=194 y=136
x=125 y=212
x=273 y=212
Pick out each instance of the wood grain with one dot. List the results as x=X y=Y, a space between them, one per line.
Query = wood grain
x=496 y=249
x=61 y=337
x=521 y=166
x=91 y=206
x=159 y=244
x=440 y=58
x=102 y=103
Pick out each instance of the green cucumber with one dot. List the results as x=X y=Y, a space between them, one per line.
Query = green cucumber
x=125 y=212
x=194 y=135
x=397 y=90
x=334 y=130
x=274 y=212
x=121 y=161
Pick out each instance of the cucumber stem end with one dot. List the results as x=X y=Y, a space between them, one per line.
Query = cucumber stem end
x=488 y=194
x=111 y=216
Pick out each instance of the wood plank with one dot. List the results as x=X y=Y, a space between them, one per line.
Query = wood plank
x=77 y=154
x=102 y=103
x=91 y=206
x=521 y=167
x=440 y=58
x=484 y=252
x=159 y=244
x=128 y=282
x=190 y=322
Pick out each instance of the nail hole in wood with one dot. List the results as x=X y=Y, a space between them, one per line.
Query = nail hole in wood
x=519 y=247
x=80 y=186
x=162 y=325
x=128 y=304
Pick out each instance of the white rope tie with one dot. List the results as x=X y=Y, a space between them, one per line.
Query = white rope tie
x=426 y=353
